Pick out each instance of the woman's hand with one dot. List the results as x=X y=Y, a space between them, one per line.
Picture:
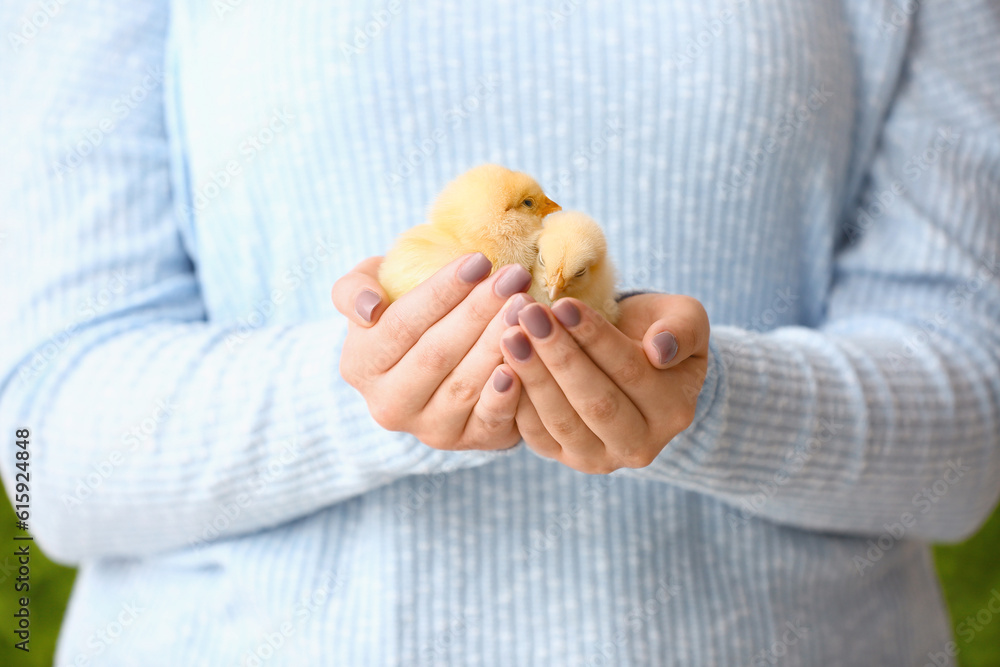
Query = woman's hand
x=598 y=398
x=429 y=363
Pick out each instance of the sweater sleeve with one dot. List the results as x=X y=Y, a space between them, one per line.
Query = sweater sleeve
x=887 y=414
x=152 y=427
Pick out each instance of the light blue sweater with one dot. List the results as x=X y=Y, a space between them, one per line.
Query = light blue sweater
x=182 y=185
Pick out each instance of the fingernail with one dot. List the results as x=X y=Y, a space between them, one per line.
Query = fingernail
x=536 y=321
x=366 y=303
x=510 y=317
x=567 y=313
x=514 y=279
x=518 y=345
x=502 y=382
x=666 y=346
x=475 y=268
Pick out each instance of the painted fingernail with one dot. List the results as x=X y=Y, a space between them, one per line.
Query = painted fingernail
x=666 y=346
x=502 y=382
x=518 y=345
x=519 y=302
x=515 y=279
x=536 y=321
x=475 y=268
x=366 y=303
x=567 y=314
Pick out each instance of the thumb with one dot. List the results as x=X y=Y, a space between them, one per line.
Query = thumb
x=680 y=332
x=358 y=295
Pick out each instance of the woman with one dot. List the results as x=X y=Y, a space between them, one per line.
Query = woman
x=819 y=178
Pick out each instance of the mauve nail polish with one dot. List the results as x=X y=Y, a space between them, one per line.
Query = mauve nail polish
x=666 y=346
x=475 y=268
x=510 y=317
x=518 y=345
x=514 y=279
x=502 y=382
x=567 y=313
x=536 y=321
x=366 y=303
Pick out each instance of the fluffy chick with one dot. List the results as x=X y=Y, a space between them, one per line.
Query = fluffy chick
x=573 y=261
x=489 y=209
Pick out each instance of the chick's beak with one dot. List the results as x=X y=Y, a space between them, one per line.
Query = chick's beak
x=549 y=206
x=556 y=288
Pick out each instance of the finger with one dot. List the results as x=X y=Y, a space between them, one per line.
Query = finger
x=531 y=428
x=439 y=351
x=559 y=418
x=680 y=334
x=491 y=424
x=358 y=294
x=605 y=409
x=620 y=357
x=463 y=385
x=406 y=319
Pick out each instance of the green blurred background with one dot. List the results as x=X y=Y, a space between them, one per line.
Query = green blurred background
x=969 y=573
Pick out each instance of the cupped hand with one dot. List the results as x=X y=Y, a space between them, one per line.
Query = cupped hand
x=429 y=364
x=598 y=398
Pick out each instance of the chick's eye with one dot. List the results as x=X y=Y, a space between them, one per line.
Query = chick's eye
x=581 y=272
x=529 y=202
x=541 y=262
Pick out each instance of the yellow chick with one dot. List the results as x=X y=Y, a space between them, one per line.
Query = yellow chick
x=573 y=261
x=489 y=209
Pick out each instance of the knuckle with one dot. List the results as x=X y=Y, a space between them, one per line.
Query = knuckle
x=681 y=416
x=592 y=466
x=630 y=372
x=563 y=427
x=386 y=415
x=397 y=328
x=442 y=292
x=462 y=391
x=603 y=408
x=434 y=360
x=560 y=359
x=438 y=440
x=480 y=310
x=640 y=457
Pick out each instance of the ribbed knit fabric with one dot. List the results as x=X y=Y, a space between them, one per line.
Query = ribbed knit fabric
x=181 y=186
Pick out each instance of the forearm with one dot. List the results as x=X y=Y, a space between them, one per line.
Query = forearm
x=844 y=430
